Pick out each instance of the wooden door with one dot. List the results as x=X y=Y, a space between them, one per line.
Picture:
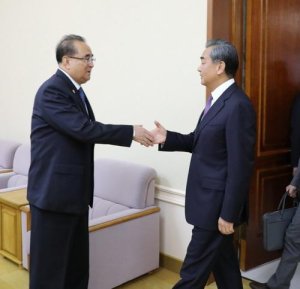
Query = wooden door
x=266 y=33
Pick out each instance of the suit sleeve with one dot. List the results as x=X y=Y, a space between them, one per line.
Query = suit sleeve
x=240 y=141
x=178 y=142
x=61 y=112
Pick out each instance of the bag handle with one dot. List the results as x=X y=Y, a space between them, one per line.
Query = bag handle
x=281 y=205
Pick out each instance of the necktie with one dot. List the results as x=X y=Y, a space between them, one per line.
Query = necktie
x=82 y=97
x=208 y=105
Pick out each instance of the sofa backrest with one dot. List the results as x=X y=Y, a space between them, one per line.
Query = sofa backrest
x=7 y=152
x=125 y=183
x=21 y=165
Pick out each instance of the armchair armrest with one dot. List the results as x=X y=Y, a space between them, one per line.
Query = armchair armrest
x=13 y=189
x=121 y=217
x=3 y=171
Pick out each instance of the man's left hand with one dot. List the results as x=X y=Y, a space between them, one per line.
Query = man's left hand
x=226 y=228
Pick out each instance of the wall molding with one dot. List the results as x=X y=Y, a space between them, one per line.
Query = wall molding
x=171 y=263
x=170 y=195
x=174 y=265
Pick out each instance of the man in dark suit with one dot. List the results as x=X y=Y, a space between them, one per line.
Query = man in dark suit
x=285 y=271
x=61 y=175
x=222 y=147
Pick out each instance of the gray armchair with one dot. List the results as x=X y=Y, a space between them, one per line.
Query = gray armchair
x=123 y=224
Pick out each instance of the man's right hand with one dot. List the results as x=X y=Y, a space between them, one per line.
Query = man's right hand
x=159 y=133
x=292 y=191
x=142 y=136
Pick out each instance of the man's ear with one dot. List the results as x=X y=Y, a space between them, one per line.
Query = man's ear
x=221 y=67
x=65 y=62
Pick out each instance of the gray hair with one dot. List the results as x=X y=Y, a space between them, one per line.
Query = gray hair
x=66 y=46
x=224 y=51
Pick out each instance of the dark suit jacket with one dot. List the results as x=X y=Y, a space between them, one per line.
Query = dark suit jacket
x=295 y=131
x=61 y=175
x=222 y=148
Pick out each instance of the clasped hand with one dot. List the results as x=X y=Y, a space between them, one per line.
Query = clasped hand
x=292 y=191
x=149 y=138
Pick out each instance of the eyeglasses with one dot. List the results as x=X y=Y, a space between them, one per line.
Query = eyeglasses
x=86 y=59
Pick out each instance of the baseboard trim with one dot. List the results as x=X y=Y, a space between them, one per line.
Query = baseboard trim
x=174 y=265
x=170 y=263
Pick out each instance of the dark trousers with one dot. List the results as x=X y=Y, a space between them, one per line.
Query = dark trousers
x=287 y=266
x=210 y=251
x=59 y=250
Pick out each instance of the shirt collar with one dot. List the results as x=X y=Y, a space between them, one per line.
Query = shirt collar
x=220 y=89
x=72 y=80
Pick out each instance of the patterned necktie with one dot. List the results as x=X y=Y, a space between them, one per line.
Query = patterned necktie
x=208 y=105
x=82 y=97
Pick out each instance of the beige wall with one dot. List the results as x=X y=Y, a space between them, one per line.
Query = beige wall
x=147 y=55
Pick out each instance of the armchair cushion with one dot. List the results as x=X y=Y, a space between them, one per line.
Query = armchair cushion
x=103 y=207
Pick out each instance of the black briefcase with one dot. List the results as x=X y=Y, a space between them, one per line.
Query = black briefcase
x=275 y=225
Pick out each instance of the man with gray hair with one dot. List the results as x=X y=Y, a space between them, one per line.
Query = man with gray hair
x=61 y=176
x=222 y=147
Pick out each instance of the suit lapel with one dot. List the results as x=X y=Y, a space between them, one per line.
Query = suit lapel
x=78 y=101
x=91 y=113
x=214 y=110
x=217 y=107
x=75 y=95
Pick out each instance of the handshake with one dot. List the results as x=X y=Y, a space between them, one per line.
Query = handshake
x=149 y=138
